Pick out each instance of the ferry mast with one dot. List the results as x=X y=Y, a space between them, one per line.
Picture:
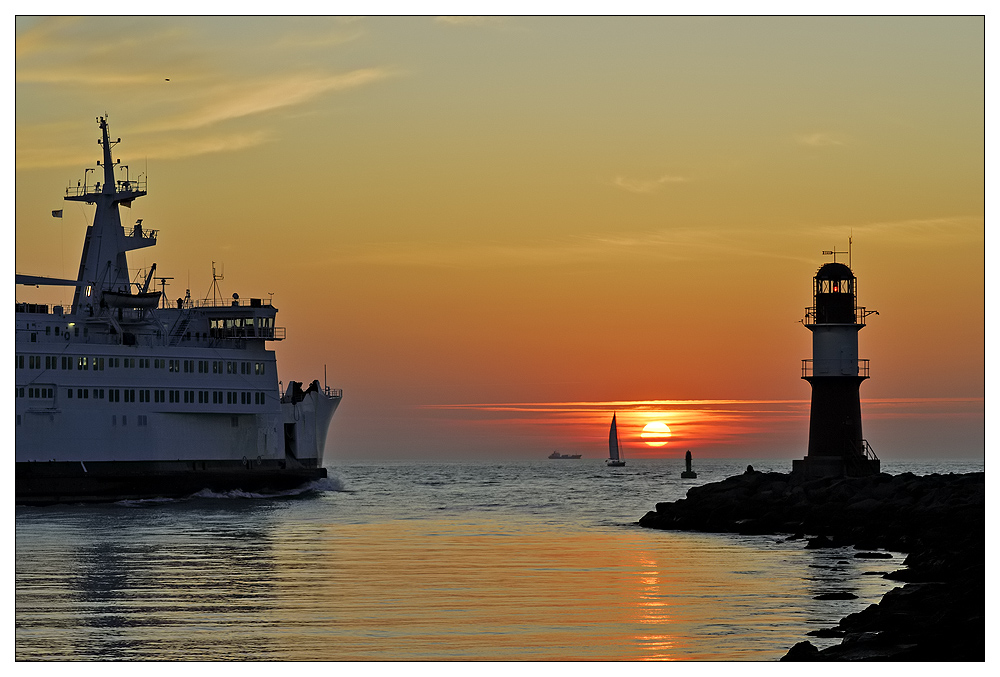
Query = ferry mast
x=103 y=264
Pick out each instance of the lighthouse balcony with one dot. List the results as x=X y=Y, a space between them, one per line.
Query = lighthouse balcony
x=834 y=367
x=845 y=316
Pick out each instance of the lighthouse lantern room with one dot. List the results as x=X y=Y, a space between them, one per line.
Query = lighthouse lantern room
x=836 y=444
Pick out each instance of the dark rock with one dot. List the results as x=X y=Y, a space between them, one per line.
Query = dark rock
x=803 y=651
x=836 y=595
x=938 y=520
x=819 y=542
x=826 y=632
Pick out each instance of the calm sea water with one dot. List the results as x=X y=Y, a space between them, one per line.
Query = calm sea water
x=538 y=560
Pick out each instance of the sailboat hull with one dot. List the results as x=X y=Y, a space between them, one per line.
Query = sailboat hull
x=614 y=462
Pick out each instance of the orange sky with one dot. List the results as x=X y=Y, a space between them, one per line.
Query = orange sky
x=544 y=210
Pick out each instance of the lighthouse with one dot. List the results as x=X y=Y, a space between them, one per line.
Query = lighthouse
x=837 y=446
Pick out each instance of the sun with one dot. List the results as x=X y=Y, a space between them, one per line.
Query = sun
x=655 y=434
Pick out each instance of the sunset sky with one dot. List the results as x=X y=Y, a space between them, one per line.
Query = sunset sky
x=494 y=232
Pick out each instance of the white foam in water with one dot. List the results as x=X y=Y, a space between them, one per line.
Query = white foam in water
x=316 y=486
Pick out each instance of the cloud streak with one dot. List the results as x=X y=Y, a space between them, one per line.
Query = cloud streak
x=820 y=140
x=230 y=103
x=647 y=185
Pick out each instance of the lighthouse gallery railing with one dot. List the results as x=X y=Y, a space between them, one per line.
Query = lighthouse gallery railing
x=835 y=367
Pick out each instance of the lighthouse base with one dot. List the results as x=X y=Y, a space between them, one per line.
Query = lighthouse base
x=835 y=466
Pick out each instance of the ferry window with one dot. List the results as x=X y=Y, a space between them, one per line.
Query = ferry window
x=69 y=393
x=22 y=392
x=230 y=367
x=142 y=395
x=131 y=396
x=191 y=396
x=19 y=419
x=67 y=362
x=76 y=331
x=48 y=330
x=177 y=396
x=186 y=397
x=19 y=361
x=34 y=337
x=49 y=361
x=56 y=331
x=206 y=396
x=101 y=391
x=171 y=396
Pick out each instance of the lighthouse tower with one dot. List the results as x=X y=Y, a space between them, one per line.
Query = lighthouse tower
x=836 y=444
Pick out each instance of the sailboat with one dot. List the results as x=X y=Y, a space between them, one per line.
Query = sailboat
x=614 y=444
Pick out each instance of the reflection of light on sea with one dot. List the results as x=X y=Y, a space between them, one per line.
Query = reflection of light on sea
x=654 y=611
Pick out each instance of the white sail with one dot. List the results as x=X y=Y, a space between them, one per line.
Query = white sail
x=613 y=438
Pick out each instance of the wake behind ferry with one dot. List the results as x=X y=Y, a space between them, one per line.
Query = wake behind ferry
x=125 y=396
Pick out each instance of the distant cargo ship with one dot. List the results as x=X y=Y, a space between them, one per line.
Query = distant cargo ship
x=557 y=455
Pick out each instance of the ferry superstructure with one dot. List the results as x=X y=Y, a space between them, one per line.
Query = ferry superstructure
x=123 y=395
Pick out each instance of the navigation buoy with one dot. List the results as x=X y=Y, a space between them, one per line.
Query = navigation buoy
x=688 y=474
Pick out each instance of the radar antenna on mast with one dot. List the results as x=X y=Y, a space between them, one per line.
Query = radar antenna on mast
x=215 y=290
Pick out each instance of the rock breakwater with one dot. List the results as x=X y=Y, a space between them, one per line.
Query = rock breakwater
x=938 y=520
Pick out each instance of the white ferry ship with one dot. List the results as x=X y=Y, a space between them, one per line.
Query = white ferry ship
x=123 y=395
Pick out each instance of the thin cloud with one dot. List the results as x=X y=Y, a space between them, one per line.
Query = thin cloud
x=820 y=140
x=46 y=152
x=231 y=104
x=647 y=185
x=469 y=20
x=939 y=229
x=672 y=244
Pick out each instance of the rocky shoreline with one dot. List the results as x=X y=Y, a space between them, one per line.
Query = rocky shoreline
x=938 y=520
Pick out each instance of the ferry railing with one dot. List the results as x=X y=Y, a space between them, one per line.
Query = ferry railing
x=228 y=303
x=835 y=367
x=87 y=189
x=139 y=232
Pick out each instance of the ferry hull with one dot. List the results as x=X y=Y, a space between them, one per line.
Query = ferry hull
x=45 y=483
